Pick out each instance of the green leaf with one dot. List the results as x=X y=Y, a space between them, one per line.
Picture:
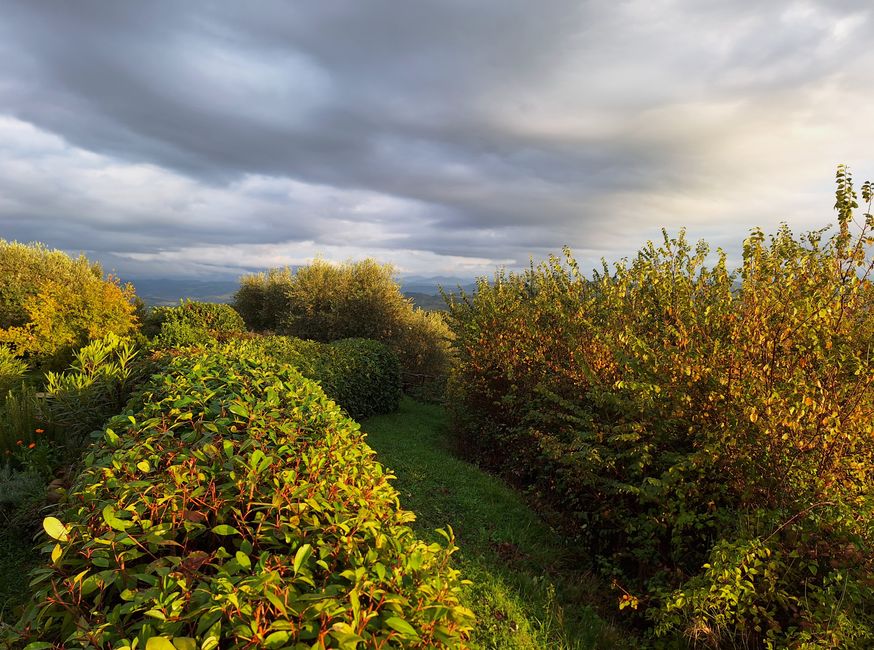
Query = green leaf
x=243 y=560
x=184 y=643
x=55 y=529
x=276 y=640
x=239 y=409
x=224 y=529
x=39 y=645
x=400 y=625
x=302 y=555
x=159 y=643
x=144 y=466
x=113 y=521
x=208 y=620
x=276 y=601
x=257 y=457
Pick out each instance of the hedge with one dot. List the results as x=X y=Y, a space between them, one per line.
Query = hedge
x=361 y=375
x=236 y=506
x=192 y=323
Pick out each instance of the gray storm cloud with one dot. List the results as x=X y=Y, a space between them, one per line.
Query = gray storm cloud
x=447 y=137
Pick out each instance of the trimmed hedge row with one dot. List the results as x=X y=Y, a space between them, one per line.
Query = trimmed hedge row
x=192 y=323
x=361 y=375
x=236 y=506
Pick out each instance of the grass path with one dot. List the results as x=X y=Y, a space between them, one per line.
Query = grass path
x=17 y=558
x=528 y=589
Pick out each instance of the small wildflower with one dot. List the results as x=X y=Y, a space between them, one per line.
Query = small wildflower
x=19 y=442
x=39 y=431
x=31 y=445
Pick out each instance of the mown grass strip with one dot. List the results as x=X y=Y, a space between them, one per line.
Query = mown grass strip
x=529 y=589
x=17 y=558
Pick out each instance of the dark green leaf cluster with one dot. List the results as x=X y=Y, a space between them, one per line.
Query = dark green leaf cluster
x=707 y=434
x=192 y=323
x=235 y=506
x=361 y=375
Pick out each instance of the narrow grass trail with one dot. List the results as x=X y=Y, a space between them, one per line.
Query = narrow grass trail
x=17 y=558
x=528 y=591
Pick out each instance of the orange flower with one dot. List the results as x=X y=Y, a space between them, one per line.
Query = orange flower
x=39 y=431
x=31 y=445
x=19 y=442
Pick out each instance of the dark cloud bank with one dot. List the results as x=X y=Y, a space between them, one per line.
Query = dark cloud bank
x=447 y=137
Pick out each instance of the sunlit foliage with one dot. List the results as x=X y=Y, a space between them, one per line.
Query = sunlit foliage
x=235 y=506
x=327 y=302
x=707 y=432
x=51 y=304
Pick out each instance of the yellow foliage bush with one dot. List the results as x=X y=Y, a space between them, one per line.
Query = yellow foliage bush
x=327 y=302
x=52 y=304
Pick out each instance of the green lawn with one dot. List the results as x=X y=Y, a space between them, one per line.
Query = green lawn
x=529 y=590
x=17 y=558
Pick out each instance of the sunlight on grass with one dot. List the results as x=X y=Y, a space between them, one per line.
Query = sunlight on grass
x=529 y=590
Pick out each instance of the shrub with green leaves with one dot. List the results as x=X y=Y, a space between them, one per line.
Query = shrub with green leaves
x=192 y=323
x=20 y=419
x=262 y=299
x=236 y=506
x=361 y=375
x=707 y=433
x=97 y=385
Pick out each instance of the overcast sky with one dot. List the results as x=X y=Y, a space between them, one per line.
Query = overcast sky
x=447 y=137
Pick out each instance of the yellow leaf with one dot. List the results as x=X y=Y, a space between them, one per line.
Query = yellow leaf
x=184 y=643
x=55 y=529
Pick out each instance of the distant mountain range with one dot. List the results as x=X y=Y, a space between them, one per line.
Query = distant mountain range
x=165 y=291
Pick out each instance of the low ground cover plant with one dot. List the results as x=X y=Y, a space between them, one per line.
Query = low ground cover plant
x=236 y=506
x=707 y=433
